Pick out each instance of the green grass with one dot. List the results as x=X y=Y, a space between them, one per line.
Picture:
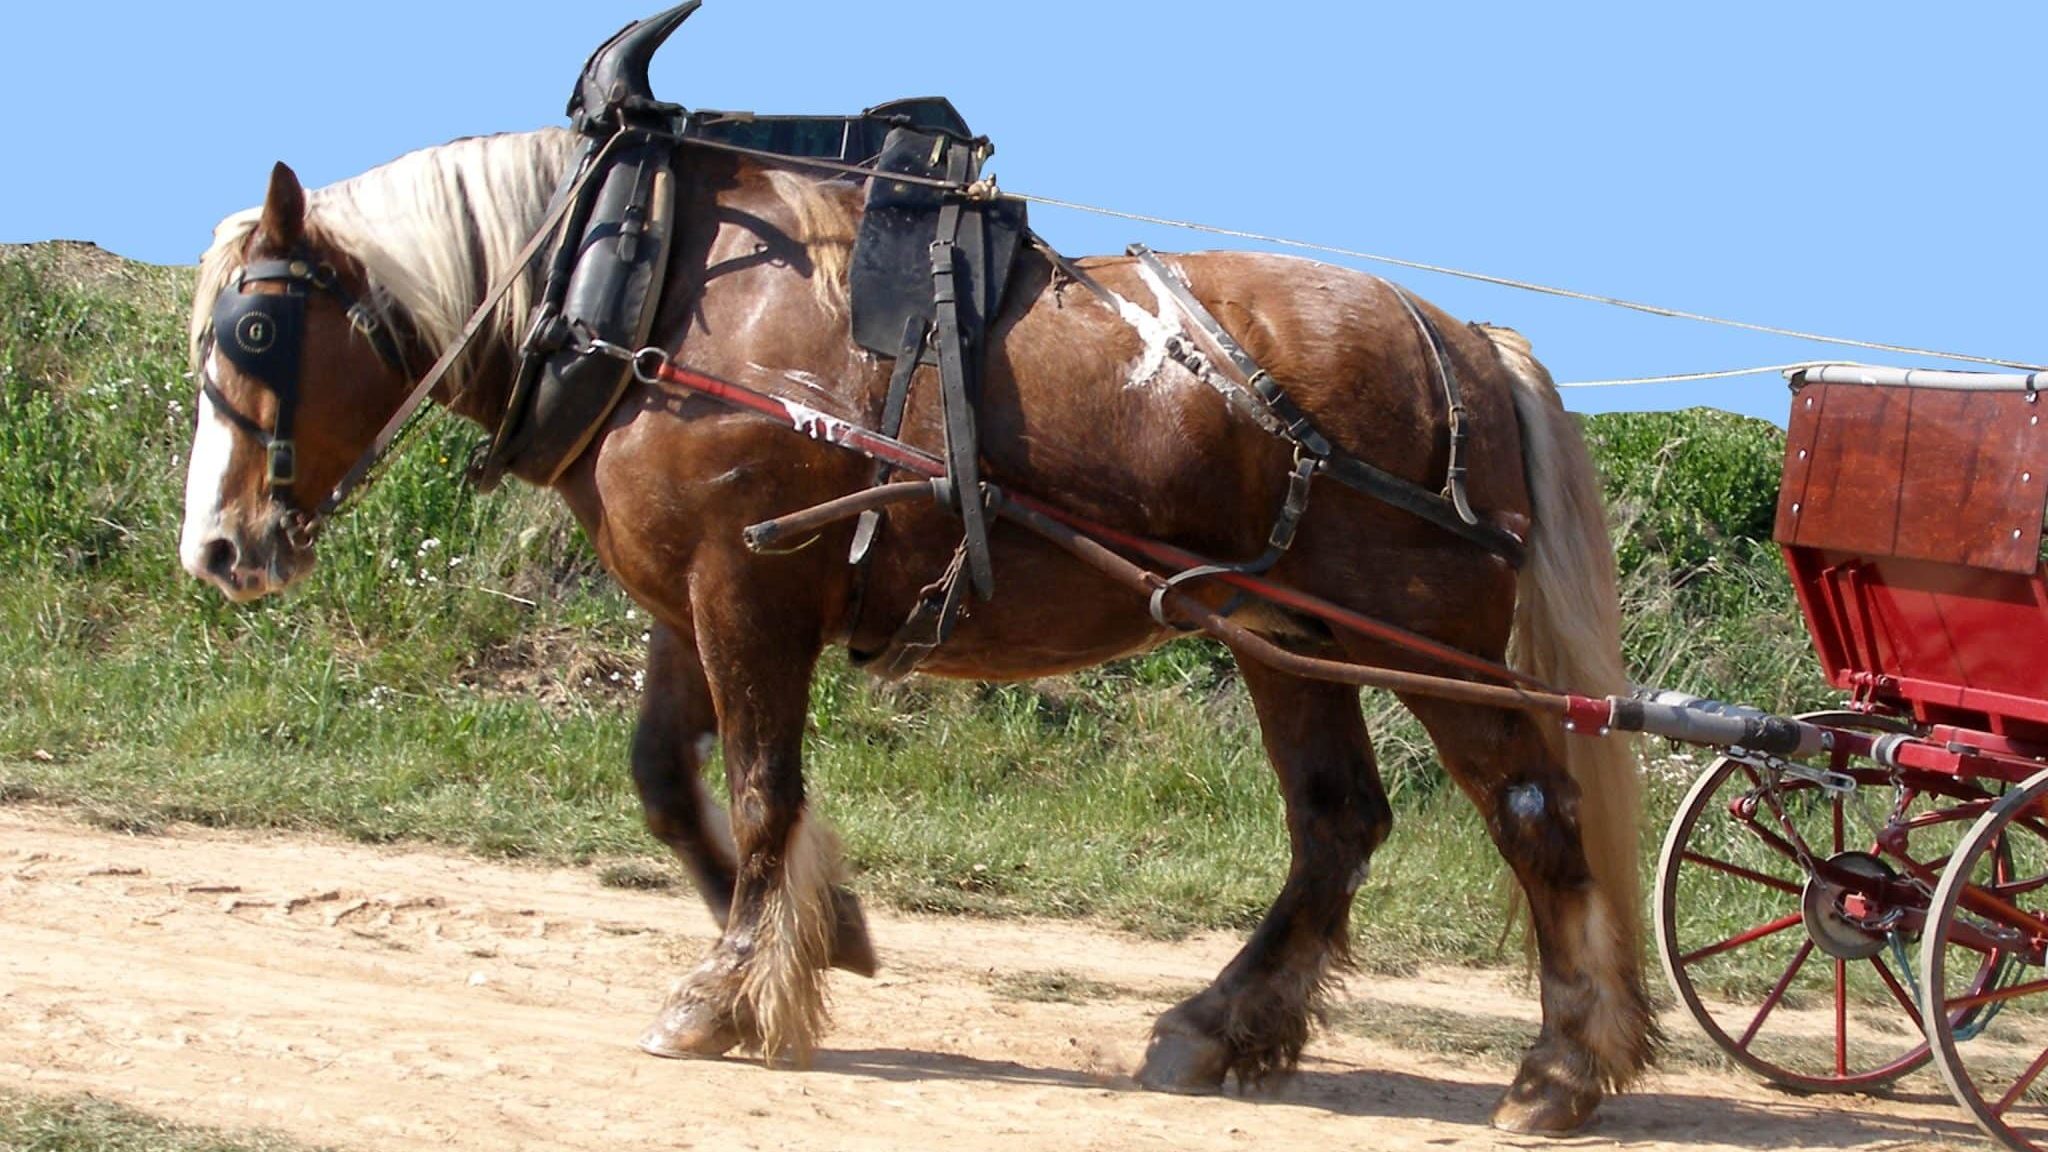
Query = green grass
x=33 y=1123
x=400 y=695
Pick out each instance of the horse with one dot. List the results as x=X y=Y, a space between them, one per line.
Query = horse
x=1078 y=406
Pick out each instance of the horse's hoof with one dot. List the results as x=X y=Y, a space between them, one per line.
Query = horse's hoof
x=1539 y=1106
x=690 y=1030
x=851 y=948
x=1183 y=1061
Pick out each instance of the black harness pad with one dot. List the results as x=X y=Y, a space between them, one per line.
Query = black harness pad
x=891 y=277
x=618 y=265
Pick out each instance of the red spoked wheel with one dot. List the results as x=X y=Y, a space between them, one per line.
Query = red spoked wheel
x=1990 y=1039
x=1789 y=903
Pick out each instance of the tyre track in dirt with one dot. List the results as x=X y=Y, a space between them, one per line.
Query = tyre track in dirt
x=376 y=998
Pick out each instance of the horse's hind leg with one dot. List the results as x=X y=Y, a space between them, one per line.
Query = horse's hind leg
x=762 y=984
x=1598 y=1031
x=1254 y=1019
x=671 y=744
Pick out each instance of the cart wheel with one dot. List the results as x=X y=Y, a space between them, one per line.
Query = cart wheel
x=1990 y=1038
x=1763 y=953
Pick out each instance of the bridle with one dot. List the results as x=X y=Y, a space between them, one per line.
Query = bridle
x=264 y=338
x=263 y=335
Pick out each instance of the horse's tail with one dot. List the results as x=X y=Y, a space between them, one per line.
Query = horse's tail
x=1568 y=625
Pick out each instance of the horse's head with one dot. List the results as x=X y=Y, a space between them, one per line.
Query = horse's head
x=297 y=373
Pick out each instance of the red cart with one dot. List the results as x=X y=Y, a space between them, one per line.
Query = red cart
x=1836 y=920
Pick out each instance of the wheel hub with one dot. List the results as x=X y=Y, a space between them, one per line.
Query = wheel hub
x=1833 y=928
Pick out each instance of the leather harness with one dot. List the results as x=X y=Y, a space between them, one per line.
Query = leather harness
x=973 y=233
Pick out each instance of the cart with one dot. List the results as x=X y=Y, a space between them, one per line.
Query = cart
x=1837 y=919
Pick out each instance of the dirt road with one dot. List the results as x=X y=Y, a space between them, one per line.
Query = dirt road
x=370 y=998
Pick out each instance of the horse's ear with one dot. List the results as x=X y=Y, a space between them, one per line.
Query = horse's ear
x=284 y=208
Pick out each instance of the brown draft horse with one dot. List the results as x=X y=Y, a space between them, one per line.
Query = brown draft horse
x=1079 y=406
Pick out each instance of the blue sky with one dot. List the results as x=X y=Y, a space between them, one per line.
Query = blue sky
x=1870 y=170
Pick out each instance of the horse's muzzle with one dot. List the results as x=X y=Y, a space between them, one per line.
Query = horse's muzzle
x=248 y=567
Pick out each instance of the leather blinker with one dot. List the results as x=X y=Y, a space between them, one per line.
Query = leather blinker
x=261 y=334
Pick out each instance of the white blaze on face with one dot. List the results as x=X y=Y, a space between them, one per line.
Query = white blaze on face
x=206 y=480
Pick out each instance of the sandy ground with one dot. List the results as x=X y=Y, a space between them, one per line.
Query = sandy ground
x=370 y=998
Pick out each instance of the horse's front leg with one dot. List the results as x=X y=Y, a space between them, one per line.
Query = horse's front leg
x=672 y=744
x=762 y=984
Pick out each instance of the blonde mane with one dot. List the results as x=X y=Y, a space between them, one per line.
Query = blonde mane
x=825 y=227
x=435 y=228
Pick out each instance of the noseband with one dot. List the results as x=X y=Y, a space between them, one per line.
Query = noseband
x=263 y=335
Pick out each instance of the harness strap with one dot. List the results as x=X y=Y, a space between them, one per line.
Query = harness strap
x=977 y=190
x=361 y=317
x=232 y=414
x=869 y=527
x=656 y=368
x=1278 y=541
x=907 y=354
x=1450 y=513
x=957 y=388
x=1454 y=404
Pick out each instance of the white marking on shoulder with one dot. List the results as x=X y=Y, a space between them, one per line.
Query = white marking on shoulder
x=213 y=445
x=815 y=424
x=1167 y=324
x=1154 y=328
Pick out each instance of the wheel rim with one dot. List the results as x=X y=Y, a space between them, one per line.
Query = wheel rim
x=1990 y=1039
x=1733 y=907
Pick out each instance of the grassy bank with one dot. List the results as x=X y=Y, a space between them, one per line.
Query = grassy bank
x=459 y=671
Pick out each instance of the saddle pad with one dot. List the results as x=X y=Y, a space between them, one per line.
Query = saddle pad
x=891 y=276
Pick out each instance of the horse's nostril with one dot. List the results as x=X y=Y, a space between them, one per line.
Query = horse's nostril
x=219 y=557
